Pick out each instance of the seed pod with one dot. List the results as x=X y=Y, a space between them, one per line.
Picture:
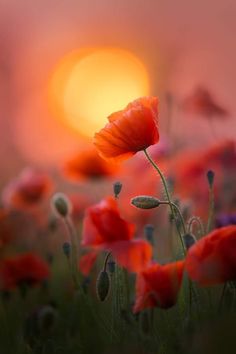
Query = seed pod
x=189 y=240
x=145 y=202
x=117 y=186
x=103 y=285
x=61 y=205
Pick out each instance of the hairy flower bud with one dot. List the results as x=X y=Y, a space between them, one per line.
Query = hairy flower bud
x=145 y=202
x=117 y=186
x=103 y=285
x=61 y=204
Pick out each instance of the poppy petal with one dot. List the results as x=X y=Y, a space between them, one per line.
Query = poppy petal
x=133 y=255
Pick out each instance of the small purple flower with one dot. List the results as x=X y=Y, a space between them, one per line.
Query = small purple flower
x=225 y=220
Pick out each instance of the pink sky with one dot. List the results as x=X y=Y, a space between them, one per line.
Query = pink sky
x=182 y=43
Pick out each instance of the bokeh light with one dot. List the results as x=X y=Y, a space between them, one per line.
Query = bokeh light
x=88 y=85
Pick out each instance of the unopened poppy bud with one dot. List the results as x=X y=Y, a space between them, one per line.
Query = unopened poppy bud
x=66 y=249
x=117 y=186
x=61 y=204
x=103 y=285
x=210 y=177
x=149 y=230
x=145 y=202
x=189 y=240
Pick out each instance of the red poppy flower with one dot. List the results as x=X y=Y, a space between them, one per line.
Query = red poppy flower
x=27 y=269
x=104 y=229
x=29 y=189
x=129 y=131
x=202 y=103
x=212 y=259
x=88 y=164
x=158 y=286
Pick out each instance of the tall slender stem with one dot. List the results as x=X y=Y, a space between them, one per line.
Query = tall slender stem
x=211 y=208
x=167 y=195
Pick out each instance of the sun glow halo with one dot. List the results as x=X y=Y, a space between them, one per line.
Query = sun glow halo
x=89 y=85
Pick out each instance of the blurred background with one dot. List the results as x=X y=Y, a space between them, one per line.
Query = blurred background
x=66 y=65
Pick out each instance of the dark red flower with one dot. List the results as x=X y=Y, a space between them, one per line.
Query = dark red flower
x=104 y=229
x=87 y=164
x=158 y=286
x=202 y=103
x=212 y=259
x=26 y=191
x=131 y=130
x=26 y=269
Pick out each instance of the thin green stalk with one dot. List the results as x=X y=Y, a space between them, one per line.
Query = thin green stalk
x=172 y=208
x=222 y=297
x=179 y=214
x=211 y=209
x=73 y=264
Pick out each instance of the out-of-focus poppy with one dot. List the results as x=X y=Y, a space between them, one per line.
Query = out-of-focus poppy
x=158 y=286
x=212 y=259
x=26 y=191
x=131 y=130
x=104 y=229
x=87 y=164
x=25 y=269
x=223 y=154
x=190 y=176
x=79 y=203
x=201 y=103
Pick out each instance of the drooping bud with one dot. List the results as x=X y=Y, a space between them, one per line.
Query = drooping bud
x=145 y=202
x=149 y=230
x=103 y=285
x=117 y=186
x=210 y=177
x=61 y=205
x=66 y=249
x=189 y=240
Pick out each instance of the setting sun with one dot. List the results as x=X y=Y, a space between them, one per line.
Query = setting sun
x=88 y=85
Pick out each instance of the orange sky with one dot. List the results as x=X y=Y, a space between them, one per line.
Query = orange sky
x=182 y=44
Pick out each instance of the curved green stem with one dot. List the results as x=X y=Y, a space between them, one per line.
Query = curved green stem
x=172 y=208
x=179 y=213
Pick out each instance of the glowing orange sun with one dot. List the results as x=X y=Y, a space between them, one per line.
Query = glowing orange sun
x=88 y=85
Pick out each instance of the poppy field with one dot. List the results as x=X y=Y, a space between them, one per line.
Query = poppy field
x=129 y=246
